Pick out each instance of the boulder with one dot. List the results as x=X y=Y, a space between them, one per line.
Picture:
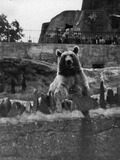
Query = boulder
x=5 y=107
x=44 y=105
x=84 y=103
x=16 y=109
x=102 y=96
x=110 y=97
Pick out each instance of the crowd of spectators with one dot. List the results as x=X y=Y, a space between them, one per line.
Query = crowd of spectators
x=80 y=38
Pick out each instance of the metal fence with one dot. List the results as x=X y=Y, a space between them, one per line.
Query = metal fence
x=31 y=35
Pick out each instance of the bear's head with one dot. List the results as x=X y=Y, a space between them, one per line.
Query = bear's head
x=68 y=62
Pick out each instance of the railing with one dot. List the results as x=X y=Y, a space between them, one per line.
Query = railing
x=78 y=37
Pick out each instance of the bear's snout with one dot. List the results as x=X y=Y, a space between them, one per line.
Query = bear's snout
x=69 y=61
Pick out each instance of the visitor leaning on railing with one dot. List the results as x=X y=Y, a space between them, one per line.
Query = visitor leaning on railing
x=109 y=40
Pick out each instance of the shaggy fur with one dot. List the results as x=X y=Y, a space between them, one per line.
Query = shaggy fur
x=70 y=78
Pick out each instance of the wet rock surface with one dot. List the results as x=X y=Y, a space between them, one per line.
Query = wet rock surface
x=63 y=139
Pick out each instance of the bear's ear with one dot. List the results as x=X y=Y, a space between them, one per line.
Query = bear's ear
x=58 y=53
x=76 y=49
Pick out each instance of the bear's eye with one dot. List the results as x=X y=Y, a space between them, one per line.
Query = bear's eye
x=64 y=56
x=71 y=55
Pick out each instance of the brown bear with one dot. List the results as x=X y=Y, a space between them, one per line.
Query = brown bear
x=70 y=78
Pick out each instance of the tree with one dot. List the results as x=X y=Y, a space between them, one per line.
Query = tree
x=10 y=31
x=15 y=31
x=4 y=26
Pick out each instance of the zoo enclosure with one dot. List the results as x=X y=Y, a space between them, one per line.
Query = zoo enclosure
x=107 y=55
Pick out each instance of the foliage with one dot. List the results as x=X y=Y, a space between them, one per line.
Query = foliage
x=9 y=31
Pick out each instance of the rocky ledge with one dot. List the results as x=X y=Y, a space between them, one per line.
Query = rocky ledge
x=68 y=136
x=27 y=133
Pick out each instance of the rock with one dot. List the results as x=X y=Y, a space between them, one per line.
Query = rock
x=28 y=107
x=12 y=84
x=102 y=96
x=35 y=100
x=1 y=88
x=95 y=138
x=7 y=88
x=110 y=6
x=57 y=23
x=44 y=105
x=35 y=72
x=116 y=99
x=23 y=83
x=95 y=17
x=68 y=105
x=60 y=139
x=95 y=22
x=21 y=108
x=118 y=92
x=110 y=97
x=16 y=109
x=1 y=81
x=5 y=107
x=84 y=103
x=43 y=30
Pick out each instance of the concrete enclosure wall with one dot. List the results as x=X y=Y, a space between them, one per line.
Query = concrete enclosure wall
x=108 y=55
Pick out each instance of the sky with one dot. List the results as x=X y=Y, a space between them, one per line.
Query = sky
x=32 y=13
